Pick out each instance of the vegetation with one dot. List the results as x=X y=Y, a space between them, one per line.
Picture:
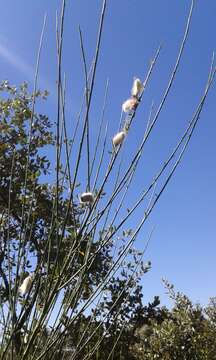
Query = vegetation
x=70 y=274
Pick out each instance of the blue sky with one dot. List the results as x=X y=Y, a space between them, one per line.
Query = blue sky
x=183 y=245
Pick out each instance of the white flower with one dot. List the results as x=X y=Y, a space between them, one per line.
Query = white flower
x=118 y=138
x=25 y=287
x=87 y=197
x=130 y=104
x=137 y=87
x=25 y=339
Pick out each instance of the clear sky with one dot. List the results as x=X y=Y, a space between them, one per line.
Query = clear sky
x=184 y=242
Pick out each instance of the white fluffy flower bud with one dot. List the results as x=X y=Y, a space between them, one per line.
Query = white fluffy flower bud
x=137 y=87
x=130 y=104
x=87 y=197
x=25 y=287
x=119 y=138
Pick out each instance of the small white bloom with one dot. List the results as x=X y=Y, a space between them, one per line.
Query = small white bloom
x=137 y=87
x=130 y=104
x=25 y=339
x=25 y=287
x=119 y=138
x=87 y=197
